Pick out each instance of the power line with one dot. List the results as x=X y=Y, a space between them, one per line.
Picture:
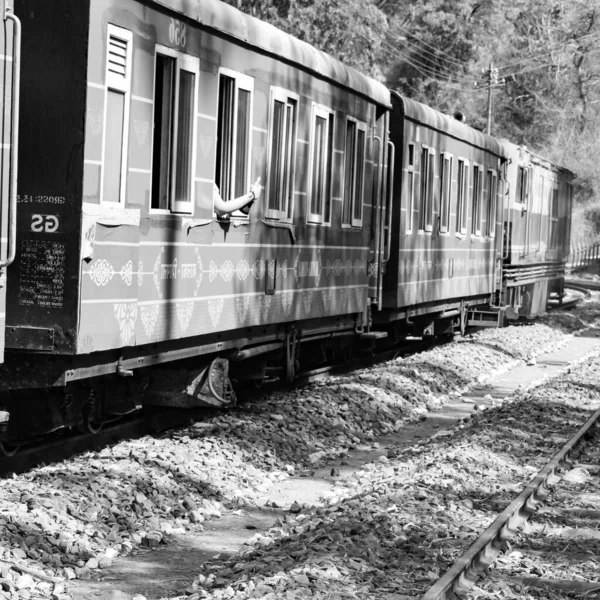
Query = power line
x=548 y=52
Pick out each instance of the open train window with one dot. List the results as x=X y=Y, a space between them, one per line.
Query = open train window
x=477 y=197
x=427 y=191
x=321 y=164
x=174 y=147
x=118 y=84
x=462 y=208
x=282 y=155
x=234 y=134
x=410 y=191
x=445 y=190
x=491 y=190
x=354 y=172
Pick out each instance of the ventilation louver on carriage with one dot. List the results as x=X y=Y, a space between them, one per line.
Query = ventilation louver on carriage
x=117 y=56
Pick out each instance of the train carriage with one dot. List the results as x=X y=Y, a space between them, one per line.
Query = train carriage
x=447 y=198
x=536 y=230
x=133 y=111
x=10 y=41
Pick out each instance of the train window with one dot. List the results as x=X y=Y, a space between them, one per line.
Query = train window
x=319 y=198
x=491 y=189
x=118 y=83
x=354 y=169
x=282 y=157
x=445 y=190
x=173 y=152
x=476 y=198
x=554 y=218
x=234 y=134
x=522 y=194
x=427 y=192
x=462 y=209
x=410 y=192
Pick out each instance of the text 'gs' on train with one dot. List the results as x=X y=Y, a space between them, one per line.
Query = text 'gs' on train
x=379 y=217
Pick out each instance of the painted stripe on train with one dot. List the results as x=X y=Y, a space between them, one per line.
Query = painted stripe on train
x=226 y=245
x=215 y=297
x=143 y=171
x=142 y=99
x=445 y=278
x=99 y=86
x=447 y=250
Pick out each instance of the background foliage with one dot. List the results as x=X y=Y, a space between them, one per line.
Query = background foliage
x=546 y=52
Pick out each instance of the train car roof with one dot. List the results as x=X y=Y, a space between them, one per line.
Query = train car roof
x=421 y=113
x=522 y=154
x=231 y=22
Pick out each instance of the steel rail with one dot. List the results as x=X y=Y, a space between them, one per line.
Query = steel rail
x=482 y=553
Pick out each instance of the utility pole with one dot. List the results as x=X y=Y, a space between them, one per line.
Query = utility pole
x=490 y=77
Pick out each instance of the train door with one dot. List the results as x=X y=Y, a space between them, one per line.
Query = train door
x=383 y=156
x=522 y=217
x=10 y=40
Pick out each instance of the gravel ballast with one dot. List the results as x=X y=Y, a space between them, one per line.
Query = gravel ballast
x=73 y=519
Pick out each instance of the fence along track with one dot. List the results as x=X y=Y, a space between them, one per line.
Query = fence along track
x=483 y=552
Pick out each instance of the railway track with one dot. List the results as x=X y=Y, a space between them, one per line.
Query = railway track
x=477 y=562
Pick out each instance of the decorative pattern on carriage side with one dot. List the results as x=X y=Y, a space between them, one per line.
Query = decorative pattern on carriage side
x=101 y=272
x=286 y=302
x=184 y=312
x=140 y=273
x=149 y=316
x=156 y=272
x=258 y=269
x=282 y=270
x=242 y=304
x=307 y=298
x=327 y=298
x=215 y=308
x=126 y=315
x=243 y=270
x=200 y=272
x=126 y=272
x=265 y=304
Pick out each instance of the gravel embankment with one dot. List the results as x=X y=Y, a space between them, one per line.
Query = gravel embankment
x=396 y=526
x=70 y=520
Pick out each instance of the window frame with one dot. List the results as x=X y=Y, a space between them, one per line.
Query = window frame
x=327 y=114
x=410 y=172
x=284 y=96
x=477 y=200
x=462 y=196
x=354 y=222
x=123 y=86
x=449 y=157
x=191 y=64
x=554 y=217
x=427 y=187
x=246 y=83
x=492 y=205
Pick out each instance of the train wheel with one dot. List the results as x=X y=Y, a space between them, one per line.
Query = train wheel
x=8 y=449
